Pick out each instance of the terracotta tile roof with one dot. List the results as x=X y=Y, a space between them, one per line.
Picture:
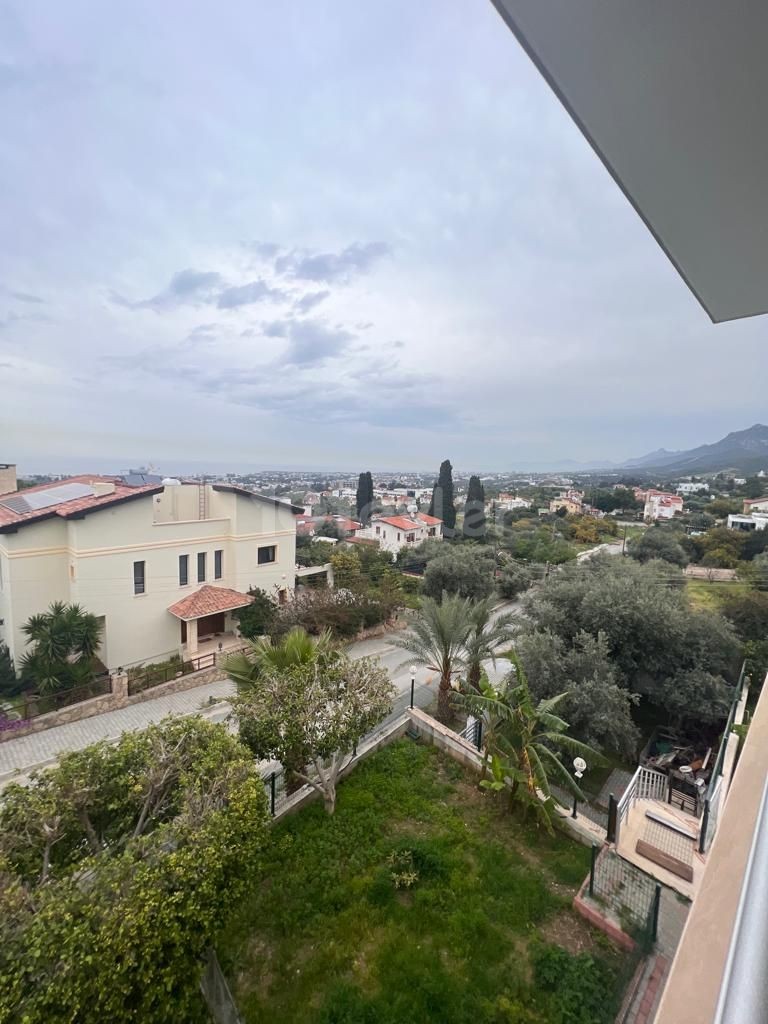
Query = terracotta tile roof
x=209 y=600
x=406 y=523
x=9 y=519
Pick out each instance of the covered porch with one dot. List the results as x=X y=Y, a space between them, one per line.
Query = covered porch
x=206 y=622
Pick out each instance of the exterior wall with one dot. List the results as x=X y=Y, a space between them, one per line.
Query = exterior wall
x=90 y=561
x=392 y=539
x=756 y=505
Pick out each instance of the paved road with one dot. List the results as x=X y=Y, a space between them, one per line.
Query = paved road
x=19 y=756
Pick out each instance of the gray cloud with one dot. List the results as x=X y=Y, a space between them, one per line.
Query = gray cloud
x=306 y=265
x=22 y=296
x=310 y=300
x=312 y=341
x=247 y=294
x=186 y=287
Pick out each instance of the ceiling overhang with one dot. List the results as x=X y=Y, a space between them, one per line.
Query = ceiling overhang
x=671 y=95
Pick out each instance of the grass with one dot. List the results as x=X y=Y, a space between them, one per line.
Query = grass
x=706 y=596
x=481 y=929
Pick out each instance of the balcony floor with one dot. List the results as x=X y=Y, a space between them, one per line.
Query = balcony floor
x=637 y=826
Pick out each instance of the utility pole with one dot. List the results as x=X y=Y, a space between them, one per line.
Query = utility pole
x=624 y=542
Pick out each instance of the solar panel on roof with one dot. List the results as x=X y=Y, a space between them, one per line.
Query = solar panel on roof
x=35 y=501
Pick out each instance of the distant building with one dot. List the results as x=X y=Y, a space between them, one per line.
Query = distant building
x=509 y=502
x=661 y=505
x=571 y=501
x=752 y=505
x=692 y=488
x=397 y=532
x=748 y=523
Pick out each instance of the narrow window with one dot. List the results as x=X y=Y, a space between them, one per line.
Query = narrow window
x=201 y=567
x=139 y=578
x=218 y=561
x=183 y=570
x=267 y=555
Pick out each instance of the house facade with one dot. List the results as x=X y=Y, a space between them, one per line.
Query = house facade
x=394 y=533
x=162 y=565
x=572 y=501
x=748 y=523
x=660 y=505
x=755 y=505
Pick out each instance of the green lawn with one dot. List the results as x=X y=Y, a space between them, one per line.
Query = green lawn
x=708 y=596
x=484 y=935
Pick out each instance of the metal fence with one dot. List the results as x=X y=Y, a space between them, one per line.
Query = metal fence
x=32 y=705
x=163 y=672
x=584 y=809
x=631 y=895
x=646 y=784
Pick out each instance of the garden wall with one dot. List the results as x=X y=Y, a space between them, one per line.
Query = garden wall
x=118 y=698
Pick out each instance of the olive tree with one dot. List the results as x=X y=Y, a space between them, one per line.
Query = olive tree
x=310 y=717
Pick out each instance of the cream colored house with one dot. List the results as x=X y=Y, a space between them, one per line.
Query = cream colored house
x=397 y=532
x=163 y=564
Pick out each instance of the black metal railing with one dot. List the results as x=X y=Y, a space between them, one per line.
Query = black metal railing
x=155 y=675
x=33 y=705
x=632 y=896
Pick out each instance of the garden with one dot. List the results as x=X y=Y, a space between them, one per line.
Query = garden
x=420 y=899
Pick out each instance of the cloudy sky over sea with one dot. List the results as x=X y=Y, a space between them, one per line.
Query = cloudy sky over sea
x=328 y=233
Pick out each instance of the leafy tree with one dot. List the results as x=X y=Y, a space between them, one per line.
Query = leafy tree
x=753 y=487
x=258 y=617
x=438 y=639
x=522 y=742
x=328 y=528
x=442 y=504
x=597 y=707
x=467 y=570
x=515 y=579
x=364 y=498
x=10 y=684
x=488 y=635
x=313 y=552
x=416 y=558
x=120 y=867
x=310 y=716
x=474 y=526
x=748 y=613
x=657 y=542
x=653 y=637
x=347 y=570
x=64 y=642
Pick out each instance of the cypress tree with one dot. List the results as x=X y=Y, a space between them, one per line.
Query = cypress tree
x=442 y=498
x=474 y=510
x=364 y=497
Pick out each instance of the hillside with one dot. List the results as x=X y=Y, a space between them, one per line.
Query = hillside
x=745 y=451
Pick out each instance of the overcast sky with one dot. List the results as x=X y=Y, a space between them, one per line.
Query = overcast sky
x=327 y=233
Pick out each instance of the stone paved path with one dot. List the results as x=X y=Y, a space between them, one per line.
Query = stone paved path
x=19 y=756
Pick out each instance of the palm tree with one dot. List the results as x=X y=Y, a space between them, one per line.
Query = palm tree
x=523 y=740
x=488 y=635
x=438 y=639
x=65 y=639
x=297 y=647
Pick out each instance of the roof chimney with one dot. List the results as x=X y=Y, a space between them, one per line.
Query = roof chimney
x=103 y=487
x=8 y=478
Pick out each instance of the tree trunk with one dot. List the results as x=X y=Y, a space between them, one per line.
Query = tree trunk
x=473 y=675
x=444 y=700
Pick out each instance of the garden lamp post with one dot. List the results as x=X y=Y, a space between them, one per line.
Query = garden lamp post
x=579 y=767
x=413 y=682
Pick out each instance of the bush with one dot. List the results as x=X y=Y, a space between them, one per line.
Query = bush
x=576 y=986
x=465 y=569
x=257 y=618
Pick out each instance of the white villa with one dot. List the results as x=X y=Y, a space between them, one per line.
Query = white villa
x=163 y=564
x=397 y=532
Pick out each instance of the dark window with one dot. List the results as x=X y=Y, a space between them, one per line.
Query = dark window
x=431 y=531
x=267 y=555
x=398 y=536
x=218 y=561
x=409 y=537
x=183 y=570
x=139 y=578
x=201 y=567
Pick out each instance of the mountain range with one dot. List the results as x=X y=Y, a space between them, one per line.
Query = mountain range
x=745 y=451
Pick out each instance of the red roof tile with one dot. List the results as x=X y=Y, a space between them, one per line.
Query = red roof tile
x=209 y=600
x=65 y=509
x=406 y=523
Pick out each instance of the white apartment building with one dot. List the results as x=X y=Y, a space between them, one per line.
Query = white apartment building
x=692 y=488
x=163 y=565
x=661 y=505
x=757 y=521
x=397 y=532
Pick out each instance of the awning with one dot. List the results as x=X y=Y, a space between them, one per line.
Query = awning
x=209 y=600
x=671 y=96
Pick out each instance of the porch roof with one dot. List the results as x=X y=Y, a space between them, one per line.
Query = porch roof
x=209 y=600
